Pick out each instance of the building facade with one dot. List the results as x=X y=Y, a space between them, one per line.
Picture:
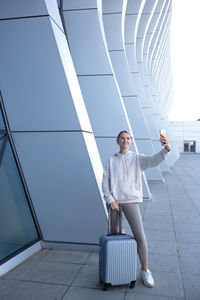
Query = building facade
x=187 y=136
x=73 y=74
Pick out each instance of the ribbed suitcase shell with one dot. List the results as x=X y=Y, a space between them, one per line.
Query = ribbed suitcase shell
x=117 y=259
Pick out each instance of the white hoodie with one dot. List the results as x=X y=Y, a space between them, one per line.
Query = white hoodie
x=122 y=180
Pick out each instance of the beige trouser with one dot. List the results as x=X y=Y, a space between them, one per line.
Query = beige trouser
x=134 y=218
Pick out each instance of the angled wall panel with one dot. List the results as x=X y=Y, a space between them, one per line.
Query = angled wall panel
x=23 y=8
x=95 y=73
x=62 y=185
x=113 y=26
x=131 y=25
x=27 y=66
x=51 y=129
x=153 y=113
x=126 y=83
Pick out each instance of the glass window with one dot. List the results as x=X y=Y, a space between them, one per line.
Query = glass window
x=2 y=128
x=17 y=228
x=1 y=124
x=2 y=133
x=190 y=146
x=186 y=147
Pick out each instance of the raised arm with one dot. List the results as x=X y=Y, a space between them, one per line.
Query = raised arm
x=150 y=161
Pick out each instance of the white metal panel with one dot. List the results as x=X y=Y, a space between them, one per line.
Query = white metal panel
x=159 y=6
x=130 y=23
x=133 y=6
x=122 y=72
x=136 y=118
x=79 y=4
x=71 y=78
x=113 y=30
x=62 y=185
x=86 y=42
x=142 y=25
x=104 y=105
x=130 y=53
x=22 y=8
x=112 y=6
x=33 y=82
x=149 y=6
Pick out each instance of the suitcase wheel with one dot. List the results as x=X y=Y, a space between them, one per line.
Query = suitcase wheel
x=105 y=285
x=132 y=284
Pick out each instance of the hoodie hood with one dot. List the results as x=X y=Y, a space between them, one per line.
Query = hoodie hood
x=127 y=154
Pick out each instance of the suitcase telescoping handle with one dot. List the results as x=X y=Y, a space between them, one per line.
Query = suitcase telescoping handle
x=119 y=216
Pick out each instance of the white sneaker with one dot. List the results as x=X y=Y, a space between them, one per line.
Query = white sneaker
x=147 y=278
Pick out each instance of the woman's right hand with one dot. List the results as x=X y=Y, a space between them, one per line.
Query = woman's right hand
x=114 y=206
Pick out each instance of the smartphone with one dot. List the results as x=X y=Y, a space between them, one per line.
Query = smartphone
x=163 y=134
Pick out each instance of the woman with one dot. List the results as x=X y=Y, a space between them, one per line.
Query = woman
x=122 y=185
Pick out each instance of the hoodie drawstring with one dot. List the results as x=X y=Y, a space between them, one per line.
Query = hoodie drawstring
x=124 y=164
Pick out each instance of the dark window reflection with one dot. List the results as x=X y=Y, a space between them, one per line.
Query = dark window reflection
x=186 y=147
x=17 y=229
x=1 y=124
x=190 y=146
x=58 y=2
x=193 y=146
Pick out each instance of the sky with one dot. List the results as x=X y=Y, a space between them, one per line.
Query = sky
x=185 y=54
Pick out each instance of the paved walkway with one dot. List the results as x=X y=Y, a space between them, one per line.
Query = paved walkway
x=172 y=225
